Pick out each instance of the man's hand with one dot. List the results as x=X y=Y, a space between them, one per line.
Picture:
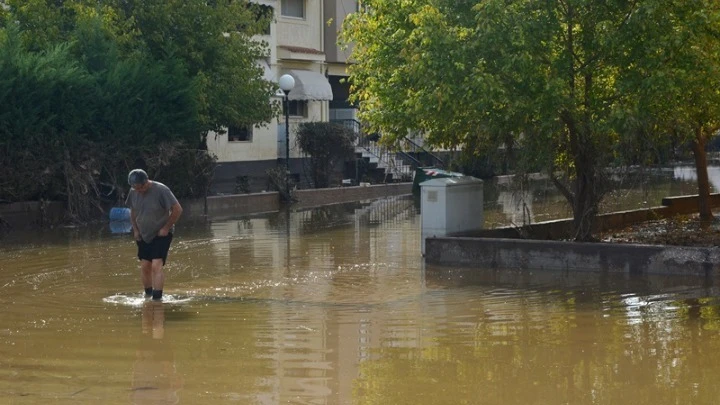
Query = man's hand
x=175 y=212
x=137 y=235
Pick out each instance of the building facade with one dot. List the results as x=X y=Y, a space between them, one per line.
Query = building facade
x=302 y=42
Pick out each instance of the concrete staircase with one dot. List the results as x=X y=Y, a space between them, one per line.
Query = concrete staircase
x=398 y=164
x=396 y=170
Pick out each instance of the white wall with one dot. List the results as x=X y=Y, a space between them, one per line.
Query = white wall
x=335 y=13
x=306 y=32
x=285 y=31
x=262 y=147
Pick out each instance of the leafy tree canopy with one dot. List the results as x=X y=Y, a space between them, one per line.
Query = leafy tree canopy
x=562 y=80
x=94 y=89
x=673 y=70
x=213 y=41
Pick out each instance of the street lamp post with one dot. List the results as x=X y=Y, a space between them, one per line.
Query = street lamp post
x=287 y=83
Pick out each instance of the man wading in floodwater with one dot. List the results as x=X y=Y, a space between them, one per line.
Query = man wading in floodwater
x=153 y=213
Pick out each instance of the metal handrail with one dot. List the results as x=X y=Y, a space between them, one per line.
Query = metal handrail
x=405 y=150
x=415 y=147
x=411 y=146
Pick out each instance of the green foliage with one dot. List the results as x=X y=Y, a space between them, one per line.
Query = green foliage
x=94 y=89
x=564 y=86
x=70 y=128
x=214 y=40
x=675 y=55
x=188 y=171
x=46 y=98
x=132 y=92
x=328 y=144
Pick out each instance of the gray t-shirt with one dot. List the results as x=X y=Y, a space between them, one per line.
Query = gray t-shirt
x=152 y=209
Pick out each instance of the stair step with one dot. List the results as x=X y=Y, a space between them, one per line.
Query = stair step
x=393 y=166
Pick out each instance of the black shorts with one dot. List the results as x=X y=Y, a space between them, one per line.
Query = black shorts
x=157 y=249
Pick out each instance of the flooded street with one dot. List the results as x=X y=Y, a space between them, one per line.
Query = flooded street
x=335 y=306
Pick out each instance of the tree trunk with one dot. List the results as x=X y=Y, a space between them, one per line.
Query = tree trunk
x=703 y=182
x=585 y=201
x=585 y=196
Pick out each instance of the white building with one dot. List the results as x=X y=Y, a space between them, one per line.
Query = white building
x=304 y=45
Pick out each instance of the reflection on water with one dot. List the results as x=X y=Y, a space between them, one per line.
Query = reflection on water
x=335 y=306
x=579 y=338
x=509 y=203
x=688 y=173
x=155 y=379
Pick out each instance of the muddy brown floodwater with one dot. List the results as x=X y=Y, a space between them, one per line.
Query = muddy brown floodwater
x=335 y=306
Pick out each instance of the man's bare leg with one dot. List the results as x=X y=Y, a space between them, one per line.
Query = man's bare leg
x=146 y=276
x=158 y=278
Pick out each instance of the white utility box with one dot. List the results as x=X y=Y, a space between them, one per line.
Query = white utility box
x=449 y=205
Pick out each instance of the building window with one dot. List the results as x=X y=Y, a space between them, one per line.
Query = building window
x=293 y=8
x=240 y=134
x=297 y=108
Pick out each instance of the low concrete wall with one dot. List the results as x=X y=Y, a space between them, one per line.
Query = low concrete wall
x=33 y=214
x=246 y=204
x=492 y=253
x=243 y=204
x=688 y=203
x=540 y=246
x=563 y=228
x=326 y=196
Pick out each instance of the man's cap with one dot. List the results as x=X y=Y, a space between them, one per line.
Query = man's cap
x=137 y=177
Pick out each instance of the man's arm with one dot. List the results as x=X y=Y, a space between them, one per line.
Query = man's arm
x=175 y=212
x=133 y=222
